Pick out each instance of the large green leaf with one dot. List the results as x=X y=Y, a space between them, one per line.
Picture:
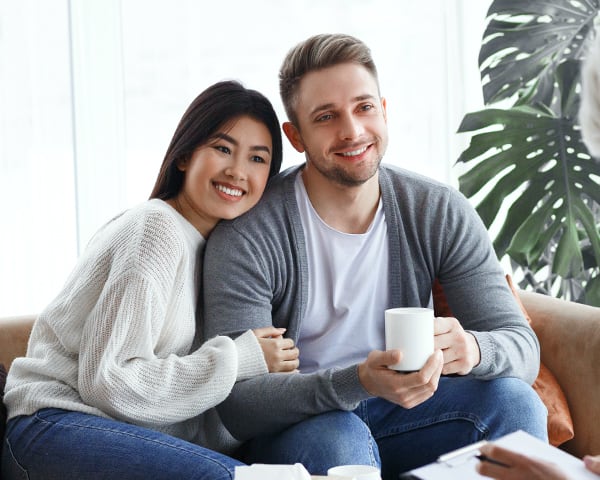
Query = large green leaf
x=528 y=161
x=525 y=42
x=529 y=148
x=592 y=292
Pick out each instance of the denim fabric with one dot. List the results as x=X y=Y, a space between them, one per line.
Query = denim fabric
x=462 y=411
x=321 y=442
x=57 y=444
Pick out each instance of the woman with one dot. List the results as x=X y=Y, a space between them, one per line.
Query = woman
x=114 y=384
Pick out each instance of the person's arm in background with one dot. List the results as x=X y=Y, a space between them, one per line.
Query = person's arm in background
x=521 y=467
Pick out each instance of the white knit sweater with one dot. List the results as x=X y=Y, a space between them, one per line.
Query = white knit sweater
x=116 y=342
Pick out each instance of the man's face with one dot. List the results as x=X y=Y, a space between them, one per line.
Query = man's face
x=341 y=123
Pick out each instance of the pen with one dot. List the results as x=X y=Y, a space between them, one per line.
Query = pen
x=485 y=458
x=461 y=451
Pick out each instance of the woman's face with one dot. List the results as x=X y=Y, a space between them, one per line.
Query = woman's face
x=227 y=176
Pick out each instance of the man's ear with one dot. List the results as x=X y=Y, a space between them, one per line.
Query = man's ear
x=384 y=107
x=292 y=134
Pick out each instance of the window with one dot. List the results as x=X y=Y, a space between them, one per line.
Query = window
x=91 y=92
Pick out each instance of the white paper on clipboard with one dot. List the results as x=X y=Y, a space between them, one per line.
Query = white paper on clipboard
x=461 y=464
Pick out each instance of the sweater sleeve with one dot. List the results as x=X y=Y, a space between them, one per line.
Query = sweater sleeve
x=135 y=362
x=121 y=374
x=480 y=298
x=246 y=295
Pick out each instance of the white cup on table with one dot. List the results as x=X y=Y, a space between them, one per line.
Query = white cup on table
x=409 y=330
x=354 y=472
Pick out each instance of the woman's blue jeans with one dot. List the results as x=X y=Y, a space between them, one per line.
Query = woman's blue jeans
x=462 y=411
x=57 y=444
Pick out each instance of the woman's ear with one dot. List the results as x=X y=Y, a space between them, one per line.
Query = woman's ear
x=182 y=164
x=292 y=134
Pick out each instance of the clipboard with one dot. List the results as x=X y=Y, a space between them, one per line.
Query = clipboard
x=460 y=464
x=457 y=464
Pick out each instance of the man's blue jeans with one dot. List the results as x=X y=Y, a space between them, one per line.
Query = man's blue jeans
x=57 y=444
x=462 y=411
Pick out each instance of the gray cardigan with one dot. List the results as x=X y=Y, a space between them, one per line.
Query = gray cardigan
x=255 y=274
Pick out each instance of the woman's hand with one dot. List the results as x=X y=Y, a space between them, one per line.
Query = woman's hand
x=519 y=467
x=280 y=353
x=592 y=463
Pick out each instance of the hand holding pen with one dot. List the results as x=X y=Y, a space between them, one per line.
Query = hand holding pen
x=502 y=464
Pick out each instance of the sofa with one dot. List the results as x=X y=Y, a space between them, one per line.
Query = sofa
x=569 y=335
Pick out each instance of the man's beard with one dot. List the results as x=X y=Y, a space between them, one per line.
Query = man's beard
x=346 y=177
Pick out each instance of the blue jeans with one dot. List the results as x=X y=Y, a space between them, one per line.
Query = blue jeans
x=57 y=444
x=462 y=411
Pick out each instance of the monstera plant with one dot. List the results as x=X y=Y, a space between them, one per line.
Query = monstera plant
x=526 y=160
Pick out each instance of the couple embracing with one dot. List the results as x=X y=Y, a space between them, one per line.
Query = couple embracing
x=283 y=361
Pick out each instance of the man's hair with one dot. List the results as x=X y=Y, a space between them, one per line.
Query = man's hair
x=315 y=53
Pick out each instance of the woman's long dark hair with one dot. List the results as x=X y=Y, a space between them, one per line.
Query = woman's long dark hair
x=213 y=108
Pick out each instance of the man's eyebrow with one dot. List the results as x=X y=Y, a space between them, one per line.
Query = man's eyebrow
x=366 y=96
x=228 y=138
x=320 y=108
x=327 y=106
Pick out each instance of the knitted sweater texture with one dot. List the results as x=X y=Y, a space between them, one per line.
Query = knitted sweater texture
x=118 y=340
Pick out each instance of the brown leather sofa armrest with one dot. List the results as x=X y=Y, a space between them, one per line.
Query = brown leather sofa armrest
x=569 y=335
x=14 y=335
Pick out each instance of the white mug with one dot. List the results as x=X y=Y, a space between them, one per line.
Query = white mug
x=409 y=330
x=354 y=472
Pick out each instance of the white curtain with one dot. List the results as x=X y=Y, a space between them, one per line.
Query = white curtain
x=91 y=92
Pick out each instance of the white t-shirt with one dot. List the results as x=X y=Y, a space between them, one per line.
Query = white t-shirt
x=348 y=290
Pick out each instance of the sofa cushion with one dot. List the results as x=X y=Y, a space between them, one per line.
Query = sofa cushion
x=14 y=335
x=560 y=424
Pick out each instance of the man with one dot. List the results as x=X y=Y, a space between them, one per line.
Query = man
x=335 y=242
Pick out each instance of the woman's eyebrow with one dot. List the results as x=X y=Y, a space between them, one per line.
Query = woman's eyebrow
x=261 y=148
x=227 y=138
